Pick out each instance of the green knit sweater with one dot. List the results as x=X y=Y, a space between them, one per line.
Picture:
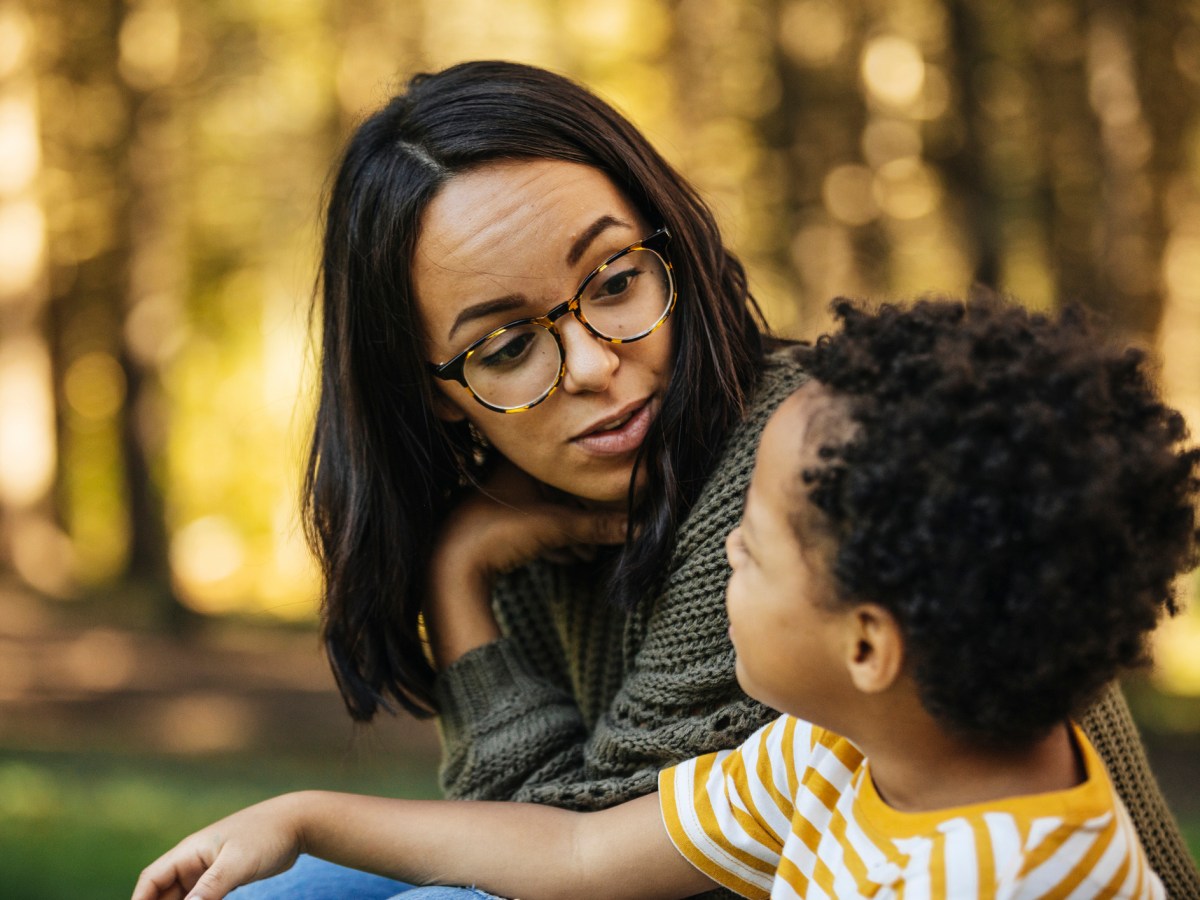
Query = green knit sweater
x=580 y=705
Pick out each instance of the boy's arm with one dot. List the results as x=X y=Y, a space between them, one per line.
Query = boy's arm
x=510 y=849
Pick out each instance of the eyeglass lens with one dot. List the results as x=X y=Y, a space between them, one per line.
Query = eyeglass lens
x=624 y=301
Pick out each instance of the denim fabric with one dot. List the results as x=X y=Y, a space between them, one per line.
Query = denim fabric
x=315 y=879
x=438 y=892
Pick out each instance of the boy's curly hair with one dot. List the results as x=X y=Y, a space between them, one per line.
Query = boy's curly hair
x=1014 y=493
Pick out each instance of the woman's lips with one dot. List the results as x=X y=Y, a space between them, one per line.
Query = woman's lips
x=626 y=438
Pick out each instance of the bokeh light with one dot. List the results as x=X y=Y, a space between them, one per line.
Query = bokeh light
x=848 y=193
x=27 y=448
x=94 y=385
x=893 y=70
x=813 y=32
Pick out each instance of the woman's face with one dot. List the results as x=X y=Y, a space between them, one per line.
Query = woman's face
x=513 y=239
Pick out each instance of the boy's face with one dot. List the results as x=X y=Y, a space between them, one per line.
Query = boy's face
x=784 y=619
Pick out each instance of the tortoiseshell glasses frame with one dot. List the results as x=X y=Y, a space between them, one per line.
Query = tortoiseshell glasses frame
x=456 y=369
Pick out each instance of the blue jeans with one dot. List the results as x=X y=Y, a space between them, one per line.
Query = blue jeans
x=315 y=879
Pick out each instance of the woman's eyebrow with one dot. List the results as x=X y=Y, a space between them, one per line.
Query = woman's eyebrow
x=515 y=301
x=593 y=231
x=486 y=308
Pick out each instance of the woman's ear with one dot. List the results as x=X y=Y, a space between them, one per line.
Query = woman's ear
x=875 y=651
x=444 y=408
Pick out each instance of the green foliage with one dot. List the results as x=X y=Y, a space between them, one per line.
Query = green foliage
x=1191 y=833
x=84 y=825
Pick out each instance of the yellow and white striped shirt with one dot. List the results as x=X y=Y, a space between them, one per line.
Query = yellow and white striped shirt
x=793 y=812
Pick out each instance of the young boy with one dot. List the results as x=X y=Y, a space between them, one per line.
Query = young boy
x=956 y=534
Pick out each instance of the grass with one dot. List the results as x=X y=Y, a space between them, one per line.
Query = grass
x=83 y=825
x=1190 y=826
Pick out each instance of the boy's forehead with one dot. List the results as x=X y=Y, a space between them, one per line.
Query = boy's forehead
x=810 y=418
x=802 y=422
x=786 y=446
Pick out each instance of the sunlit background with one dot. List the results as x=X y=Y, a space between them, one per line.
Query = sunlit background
x=161 y=170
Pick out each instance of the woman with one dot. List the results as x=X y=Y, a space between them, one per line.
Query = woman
x=543 y=379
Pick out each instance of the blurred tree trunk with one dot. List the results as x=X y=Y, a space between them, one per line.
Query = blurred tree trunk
x=1069 y=143
x=966 y=171
x=1165 y=38
x=817 y=129
x=107 y=126
x=1013 y=207
x=1128 y=245
x=80 y=123
x=764 y=124
x=154 y=262
x=1169 y=66
x=1060 y=167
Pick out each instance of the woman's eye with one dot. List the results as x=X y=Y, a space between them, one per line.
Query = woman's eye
x=617 y=284
x=509 y=351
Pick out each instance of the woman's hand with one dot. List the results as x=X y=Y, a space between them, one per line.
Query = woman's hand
x=509 y=522
x=257 y=842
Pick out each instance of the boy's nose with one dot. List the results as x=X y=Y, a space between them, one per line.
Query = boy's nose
x=590 y=361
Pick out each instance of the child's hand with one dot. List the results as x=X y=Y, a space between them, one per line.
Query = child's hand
x=258 y=842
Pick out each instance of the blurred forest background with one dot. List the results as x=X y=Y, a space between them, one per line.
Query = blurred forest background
x=162 y=164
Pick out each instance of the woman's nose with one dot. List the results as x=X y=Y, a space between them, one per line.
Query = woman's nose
x=590 y=361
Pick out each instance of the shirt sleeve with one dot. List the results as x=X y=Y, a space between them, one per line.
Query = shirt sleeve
x=730 y=812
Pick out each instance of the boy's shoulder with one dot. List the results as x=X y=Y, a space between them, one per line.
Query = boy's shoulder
x=831 y=826
x=1079 y=840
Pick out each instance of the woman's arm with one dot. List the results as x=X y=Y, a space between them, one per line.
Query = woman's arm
x=507 y=709
x=509 y=849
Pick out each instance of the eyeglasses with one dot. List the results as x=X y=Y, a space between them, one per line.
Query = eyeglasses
x=517 y=366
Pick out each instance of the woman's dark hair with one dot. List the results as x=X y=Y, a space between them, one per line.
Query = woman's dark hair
x=1015 y=494
x=383 y=471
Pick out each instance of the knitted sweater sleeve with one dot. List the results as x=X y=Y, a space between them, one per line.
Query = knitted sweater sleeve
x=1112 y=732
x=580 y=705
x=509 y=715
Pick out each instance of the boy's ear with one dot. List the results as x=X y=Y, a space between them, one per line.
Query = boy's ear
x=875 y=651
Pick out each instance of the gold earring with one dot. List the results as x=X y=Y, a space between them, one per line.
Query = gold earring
x=479 y=444
x=478 y=437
